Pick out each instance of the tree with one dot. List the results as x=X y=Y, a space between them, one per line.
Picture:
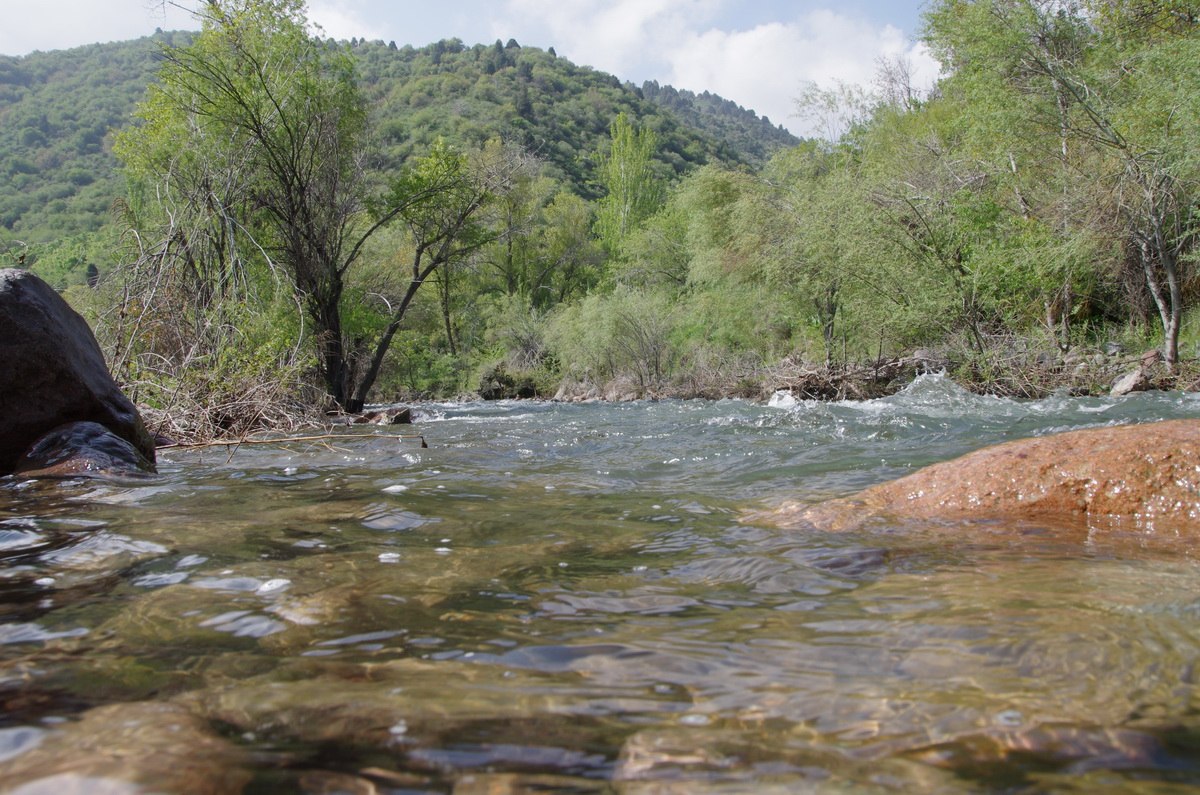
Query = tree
x=1148 y=18
x=658 y=253
x=257 y=132
x=1114 y=81
x=566 y=257
x=834 y=112
x=443 y=202
x=632 y=191
x=805 y=224
x=519 y=211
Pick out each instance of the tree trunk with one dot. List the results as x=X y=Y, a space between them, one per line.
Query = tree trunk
x=827 y=307
x=363 y=388
x=331 y=347
x=446 y=320
x=1158 y=253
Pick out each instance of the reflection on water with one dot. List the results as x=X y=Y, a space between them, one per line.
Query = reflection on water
x=562 y=599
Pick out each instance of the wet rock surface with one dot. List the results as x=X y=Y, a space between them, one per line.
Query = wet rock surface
x=578 y=611
x=1145 y=476
x=54 y=372
x=390 y=416
x=82 y=449
x=138 y=747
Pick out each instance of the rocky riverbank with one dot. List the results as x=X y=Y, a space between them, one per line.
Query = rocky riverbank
x=1077 y=373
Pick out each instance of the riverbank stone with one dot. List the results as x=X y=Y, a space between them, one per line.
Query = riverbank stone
x=54 y=374
x=1136 y=381
x=396 y=415
x=1144 y=476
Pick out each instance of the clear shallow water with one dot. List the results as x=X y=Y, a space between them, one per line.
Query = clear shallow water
x=561 y=598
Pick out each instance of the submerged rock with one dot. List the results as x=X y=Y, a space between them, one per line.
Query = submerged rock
x=81 y=449
x=405 y=703
x=670 y=761
x=498 y=383
x=389 y=416
x=54 y=373
x=139 y=747
x=1146 y=474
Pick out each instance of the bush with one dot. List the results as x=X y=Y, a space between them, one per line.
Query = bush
x=201 y=372
x=628 y=334
x=518 y=330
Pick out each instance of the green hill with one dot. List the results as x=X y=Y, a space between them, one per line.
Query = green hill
x=58 y=110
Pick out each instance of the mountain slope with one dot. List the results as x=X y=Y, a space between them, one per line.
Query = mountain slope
x=58 y=110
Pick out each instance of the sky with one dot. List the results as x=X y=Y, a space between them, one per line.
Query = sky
x=759 y=53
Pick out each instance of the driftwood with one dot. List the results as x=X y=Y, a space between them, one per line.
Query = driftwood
x=843 y=381
x=322 y=437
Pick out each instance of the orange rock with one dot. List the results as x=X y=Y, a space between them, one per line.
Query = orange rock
x=1147 y=473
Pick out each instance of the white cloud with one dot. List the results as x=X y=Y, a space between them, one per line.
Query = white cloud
x=755 y=68
x=342 y=21
x=694 y=44
x=53 y=25
x=763 y=68
x=617 y=36
x=766 y=68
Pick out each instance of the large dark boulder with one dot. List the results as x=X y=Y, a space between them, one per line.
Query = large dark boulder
x=53 y=373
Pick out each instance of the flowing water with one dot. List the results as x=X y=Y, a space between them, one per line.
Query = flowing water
x=564 y=598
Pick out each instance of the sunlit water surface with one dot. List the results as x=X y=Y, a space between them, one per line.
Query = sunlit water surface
x=562 y=598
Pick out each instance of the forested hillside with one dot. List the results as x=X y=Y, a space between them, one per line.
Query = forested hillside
x=58 y=111
x=557 y=110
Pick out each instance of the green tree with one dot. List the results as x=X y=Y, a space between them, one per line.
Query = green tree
x=807 y=224
x=252 y=136
x=567 y=257
x=446 y=203
x=632 y=190
x=1111 y=88
x=255 y=135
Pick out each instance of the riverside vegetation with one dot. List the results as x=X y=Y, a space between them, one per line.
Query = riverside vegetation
x=294 y=222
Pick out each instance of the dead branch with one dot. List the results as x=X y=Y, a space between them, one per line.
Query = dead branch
x=287 y=439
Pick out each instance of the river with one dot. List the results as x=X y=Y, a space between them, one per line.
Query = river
x=566 y=598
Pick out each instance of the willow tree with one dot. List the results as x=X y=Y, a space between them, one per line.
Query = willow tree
x=258 y=129
x=1108 y=88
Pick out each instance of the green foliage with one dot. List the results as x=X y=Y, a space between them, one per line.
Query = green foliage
x=517 y=330
x=420 y=369
x=56 y=113
x=657 y=254
x=197 y=371
x=756 y=138
x=752 y=319
x=631 y=190
x=1100 y=109
x=446 y=201
x=59 y=111
x=624 y=335
x=1045 y=195
x=250 y=147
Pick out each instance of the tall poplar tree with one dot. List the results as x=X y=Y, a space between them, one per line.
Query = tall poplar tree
x=633 y=191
